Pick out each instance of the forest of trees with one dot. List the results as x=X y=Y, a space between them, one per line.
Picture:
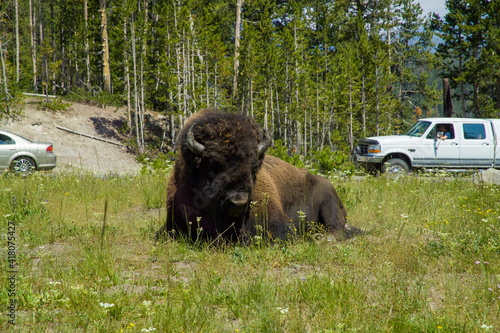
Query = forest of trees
x=316 y=73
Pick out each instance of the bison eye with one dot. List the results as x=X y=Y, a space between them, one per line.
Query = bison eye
x=215 y=167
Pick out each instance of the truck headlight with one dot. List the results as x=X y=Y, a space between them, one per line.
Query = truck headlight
x=374 y=149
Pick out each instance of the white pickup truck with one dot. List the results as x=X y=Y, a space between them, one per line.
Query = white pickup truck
x=453 y=143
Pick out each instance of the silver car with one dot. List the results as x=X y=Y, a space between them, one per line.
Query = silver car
x=23 y=156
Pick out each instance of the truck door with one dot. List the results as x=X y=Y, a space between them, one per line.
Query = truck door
x=476 y=146
x=440 y=151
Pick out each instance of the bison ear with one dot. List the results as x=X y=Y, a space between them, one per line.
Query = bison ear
x=264 y=143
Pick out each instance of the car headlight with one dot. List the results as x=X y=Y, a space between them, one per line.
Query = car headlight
x=374 y=149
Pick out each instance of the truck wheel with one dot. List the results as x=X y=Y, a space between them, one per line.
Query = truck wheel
x=395 y=165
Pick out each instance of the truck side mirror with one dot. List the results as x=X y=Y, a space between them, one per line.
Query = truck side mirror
x=439 y=135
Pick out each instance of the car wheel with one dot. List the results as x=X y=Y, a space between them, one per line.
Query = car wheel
x=395 y=166
x=23 y=165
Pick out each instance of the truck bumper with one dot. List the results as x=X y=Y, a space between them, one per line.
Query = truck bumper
x=369 y=159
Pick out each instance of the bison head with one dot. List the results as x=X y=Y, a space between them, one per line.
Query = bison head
x=222 y=153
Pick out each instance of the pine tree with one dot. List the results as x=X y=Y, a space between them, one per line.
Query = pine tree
x=413 y=59
x=464 y=33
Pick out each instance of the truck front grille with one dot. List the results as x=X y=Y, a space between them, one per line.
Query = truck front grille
x=362 y=149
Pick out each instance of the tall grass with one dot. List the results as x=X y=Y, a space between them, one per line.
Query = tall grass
x=428 y=262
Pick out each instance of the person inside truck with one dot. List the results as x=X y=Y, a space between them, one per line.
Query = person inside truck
x=446 y=133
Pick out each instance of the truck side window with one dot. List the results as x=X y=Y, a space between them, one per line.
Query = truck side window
x=448 y=128
x=474 y=131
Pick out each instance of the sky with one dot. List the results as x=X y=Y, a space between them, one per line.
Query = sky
x=437 y=6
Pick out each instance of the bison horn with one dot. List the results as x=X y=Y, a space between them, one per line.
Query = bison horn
x=265 y=143
x=194 y=145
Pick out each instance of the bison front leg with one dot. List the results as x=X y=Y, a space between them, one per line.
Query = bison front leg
x=267 y=220
x=177 y=222
x=168 y=226
x=270 y=229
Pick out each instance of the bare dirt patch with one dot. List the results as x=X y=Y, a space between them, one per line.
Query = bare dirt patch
x=75 y=152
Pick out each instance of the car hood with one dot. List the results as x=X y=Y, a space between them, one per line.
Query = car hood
x=394 y=139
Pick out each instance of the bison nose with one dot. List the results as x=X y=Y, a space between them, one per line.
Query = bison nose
x=238 y=199
x=237 y=203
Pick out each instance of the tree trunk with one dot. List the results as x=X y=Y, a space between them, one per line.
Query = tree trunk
x=296 y=47
x=363 y=99
x=462 y=88
x=447 y=102
x=16 y=5
x=265 y=109
x=285 y=136
x=310 y=132
x=475 y=99
x=172 y=129
x=216 y=92
x=41 y=38
x=127 y=76
x=498 y=92
x=317 y=110
x=298 y=137
x=278 y=114
x=251 y=97
x=53 y=40
x=206 y=83
x=4 y=75
x=305 y=130
x=105 y=47
x=185 y=82
x=143 y=56
x=239 y=3
x=178 y=60
x=136 y=93
x=272 y=107
x=87 y=49
x=377 y=101
x=351 y=138
x=33 y=45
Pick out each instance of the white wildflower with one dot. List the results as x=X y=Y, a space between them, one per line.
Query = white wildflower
x=283 y=310
x=106 y=305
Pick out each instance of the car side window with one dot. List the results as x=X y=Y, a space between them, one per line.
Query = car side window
x=444 y=128
x=6 y=140
x=474 y=131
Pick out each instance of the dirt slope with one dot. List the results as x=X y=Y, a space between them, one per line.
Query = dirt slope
x=75 y=152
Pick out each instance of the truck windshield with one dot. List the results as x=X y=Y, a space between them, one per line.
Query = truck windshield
x=419 y=128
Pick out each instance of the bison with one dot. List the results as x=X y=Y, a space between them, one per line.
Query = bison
x=224 y=185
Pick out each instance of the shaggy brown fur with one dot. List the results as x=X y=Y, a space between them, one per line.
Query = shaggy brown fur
x=211 y=189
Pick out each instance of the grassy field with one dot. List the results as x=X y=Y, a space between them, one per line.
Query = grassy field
x=428 y=262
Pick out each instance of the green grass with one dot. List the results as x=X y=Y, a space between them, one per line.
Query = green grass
x=428 y=262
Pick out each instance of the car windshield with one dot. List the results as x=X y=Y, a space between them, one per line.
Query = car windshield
x=419 y=128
